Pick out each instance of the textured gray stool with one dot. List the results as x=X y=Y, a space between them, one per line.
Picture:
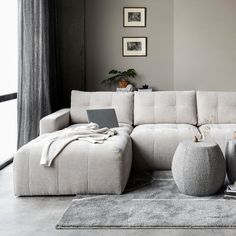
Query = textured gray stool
x=199 y=168
x=230 y=155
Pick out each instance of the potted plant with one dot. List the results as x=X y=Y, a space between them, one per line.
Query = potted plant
x=120 y=77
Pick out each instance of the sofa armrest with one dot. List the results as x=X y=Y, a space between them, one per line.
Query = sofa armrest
x=55 y=121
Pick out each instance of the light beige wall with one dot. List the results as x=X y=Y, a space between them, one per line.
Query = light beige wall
x=104 y=31
x=205 y=44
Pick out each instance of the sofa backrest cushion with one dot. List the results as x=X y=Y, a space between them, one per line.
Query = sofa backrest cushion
x=216 y=107
x=122 y=102
x=165 y=107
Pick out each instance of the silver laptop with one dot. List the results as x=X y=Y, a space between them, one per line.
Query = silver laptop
x=103 y=117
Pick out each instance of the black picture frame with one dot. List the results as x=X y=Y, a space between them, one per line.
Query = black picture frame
x=131 y=53
x=143 y=14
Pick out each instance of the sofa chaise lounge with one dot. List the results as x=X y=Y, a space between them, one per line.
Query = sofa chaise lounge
x=151 y=126
x=81 y=167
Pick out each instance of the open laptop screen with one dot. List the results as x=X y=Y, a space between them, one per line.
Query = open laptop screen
x=103 y=117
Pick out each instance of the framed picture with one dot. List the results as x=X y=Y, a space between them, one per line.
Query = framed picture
x=134 y=17
x=134 y=46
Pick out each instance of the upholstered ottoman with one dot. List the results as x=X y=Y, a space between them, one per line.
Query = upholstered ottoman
x=199 y=168
x=81 y=167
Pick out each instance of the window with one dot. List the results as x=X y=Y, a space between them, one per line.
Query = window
x=8 y=79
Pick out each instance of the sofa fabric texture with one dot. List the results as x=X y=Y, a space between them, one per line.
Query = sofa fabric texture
x=199 y=168
x=121 y=102
x=218 y=133
x=216 y=107
x=165 y=107
x=55 y=121
x=154 y=144
x=81 y=167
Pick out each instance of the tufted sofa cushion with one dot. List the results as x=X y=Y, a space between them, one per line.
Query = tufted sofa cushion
x=154 y=144
x=216 y=107
x=165 y=107
x=120 y=101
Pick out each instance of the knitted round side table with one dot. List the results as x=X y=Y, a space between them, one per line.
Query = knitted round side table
x=198 y=168
x=230 y=156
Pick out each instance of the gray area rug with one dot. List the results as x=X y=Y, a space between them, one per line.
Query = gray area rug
x=150 y=201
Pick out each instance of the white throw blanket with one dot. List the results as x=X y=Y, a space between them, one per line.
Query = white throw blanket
x=57 y=142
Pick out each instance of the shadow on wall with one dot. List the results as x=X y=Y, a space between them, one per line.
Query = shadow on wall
x=70 y=44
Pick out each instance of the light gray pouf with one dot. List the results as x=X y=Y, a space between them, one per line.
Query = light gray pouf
x=230 y=156
x=199 y=168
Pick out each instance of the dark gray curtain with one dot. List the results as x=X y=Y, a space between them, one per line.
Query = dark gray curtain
x=37 y=65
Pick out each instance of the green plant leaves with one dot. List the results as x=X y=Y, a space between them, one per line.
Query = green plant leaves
x=115 y=72
x=119 y=75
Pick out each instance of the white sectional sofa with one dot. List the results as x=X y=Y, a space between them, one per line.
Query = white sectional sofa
x=151 y=126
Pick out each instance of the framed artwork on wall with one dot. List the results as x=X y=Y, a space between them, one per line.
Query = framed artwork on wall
x=134 y=17
x=134 y=46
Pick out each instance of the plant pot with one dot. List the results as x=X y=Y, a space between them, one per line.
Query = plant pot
x=123 y=83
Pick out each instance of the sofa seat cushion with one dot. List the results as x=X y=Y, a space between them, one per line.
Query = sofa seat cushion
x=154 y=145
x=219 y=133
x=81 y=167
